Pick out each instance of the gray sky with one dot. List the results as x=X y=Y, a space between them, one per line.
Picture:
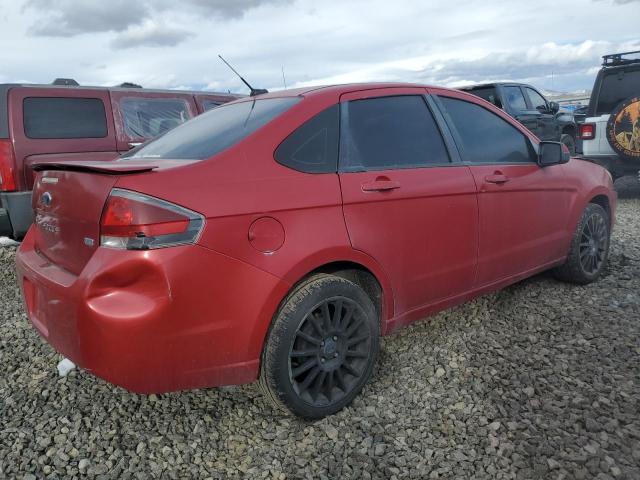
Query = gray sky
x=555 y=45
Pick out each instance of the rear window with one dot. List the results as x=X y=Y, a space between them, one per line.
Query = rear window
x=215 y=130
x=56 y=117
x=617 y=87
x=150 y=117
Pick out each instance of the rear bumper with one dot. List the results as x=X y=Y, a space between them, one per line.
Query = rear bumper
x=153 y=321
x=16 y=214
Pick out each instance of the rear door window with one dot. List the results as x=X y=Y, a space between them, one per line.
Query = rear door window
x=487 y=93
x=484 y=137
x=515 y=98
x=388 y=133
x=58 y=117
x=149 y=117
x=215 y=130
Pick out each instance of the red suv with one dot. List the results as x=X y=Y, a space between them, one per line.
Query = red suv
x=278 y=237
x=65 y=121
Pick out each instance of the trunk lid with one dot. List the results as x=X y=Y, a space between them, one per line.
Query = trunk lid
x=68 y=199
x=67 y=208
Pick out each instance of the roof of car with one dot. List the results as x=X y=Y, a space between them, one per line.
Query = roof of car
x=490 y=84
x=116 y=88
x=338 y=89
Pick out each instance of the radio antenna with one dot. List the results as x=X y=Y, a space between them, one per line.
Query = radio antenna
x=254 y=91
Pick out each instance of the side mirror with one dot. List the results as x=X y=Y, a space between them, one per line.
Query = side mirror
x=552 y=153
x=554 y=107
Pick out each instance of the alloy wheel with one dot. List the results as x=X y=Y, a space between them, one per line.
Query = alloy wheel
x=593 y=244
x=330 y=351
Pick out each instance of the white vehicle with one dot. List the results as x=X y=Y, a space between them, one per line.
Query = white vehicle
x=610 y=133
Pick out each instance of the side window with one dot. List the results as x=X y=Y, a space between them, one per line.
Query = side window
x=515 y=98
x=209 y=104
x=313 y=147
x=389 y=132
x=538 y=102
x=149 y=117
x=485 y=137
x=57 y=117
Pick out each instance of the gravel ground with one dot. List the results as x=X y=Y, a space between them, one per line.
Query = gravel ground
x=541 y=380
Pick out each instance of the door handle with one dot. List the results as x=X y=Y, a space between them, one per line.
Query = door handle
x=380 y=184
x=498 y=178
x=134 y=144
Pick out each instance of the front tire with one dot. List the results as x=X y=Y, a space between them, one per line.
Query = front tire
x=589 y=250
x=321 y=348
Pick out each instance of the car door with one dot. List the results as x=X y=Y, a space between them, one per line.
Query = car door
x=546 y=120
x=516 y=105
x=405 y=202
x=523 y=208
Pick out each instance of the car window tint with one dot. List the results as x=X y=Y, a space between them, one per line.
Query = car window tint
x=485 y=137
x=616 y=87
x=150 y=117
x=487 y=93
x=537 y=101
x=389 y=132
x=218 y=129
x=515 y=98
x=209 y=104
x=56 y=117
x=313 y=147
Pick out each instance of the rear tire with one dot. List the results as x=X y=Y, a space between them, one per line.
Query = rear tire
x=589 y=250
x=321 y=348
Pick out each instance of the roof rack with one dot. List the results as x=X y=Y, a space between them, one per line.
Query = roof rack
x=65 y=81
x=616 y=59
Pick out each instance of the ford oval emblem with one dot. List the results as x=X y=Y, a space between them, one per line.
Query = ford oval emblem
x=46 y=199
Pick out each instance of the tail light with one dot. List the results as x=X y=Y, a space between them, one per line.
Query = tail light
x=587 y=131
x=7 y=167
x=134 y=221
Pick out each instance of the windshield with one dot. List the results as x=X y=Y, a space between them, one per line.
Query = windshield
x=213 y=131
x=616 y=87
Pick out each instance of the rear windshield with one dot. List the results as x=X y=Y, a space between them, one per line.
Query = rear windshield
x=150 y=117
x=617 y=87
x=215 y=130
x=57 y=117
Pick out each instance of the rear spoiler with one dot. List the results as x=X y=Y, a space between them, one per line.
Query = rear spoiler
x=116 y=167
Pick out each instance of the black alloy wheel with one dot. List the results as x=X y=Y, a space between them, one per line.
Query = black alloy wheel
x=330 y=352
x=321 y=348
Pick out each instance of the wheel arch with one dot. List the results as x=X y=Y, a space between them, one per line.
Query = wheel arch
x=353 y=265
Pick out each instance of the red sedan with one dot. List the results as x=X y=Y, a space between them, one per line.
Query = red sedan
x=277 y=237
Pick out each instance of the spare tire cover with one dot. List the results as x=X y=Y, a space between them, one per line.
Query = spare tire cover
x=623 y=128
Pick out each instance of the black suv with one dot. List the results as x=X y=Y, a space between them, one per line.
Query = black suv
x=531 y=108
x=611 y=130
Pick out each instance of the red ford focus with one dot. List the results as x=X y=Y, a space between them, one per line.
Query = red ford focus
x=277 y=237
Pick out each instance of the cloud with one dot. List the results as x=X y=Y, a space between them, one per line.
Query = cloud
x=67 y=18
x=229 y=9
x=150 y=34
